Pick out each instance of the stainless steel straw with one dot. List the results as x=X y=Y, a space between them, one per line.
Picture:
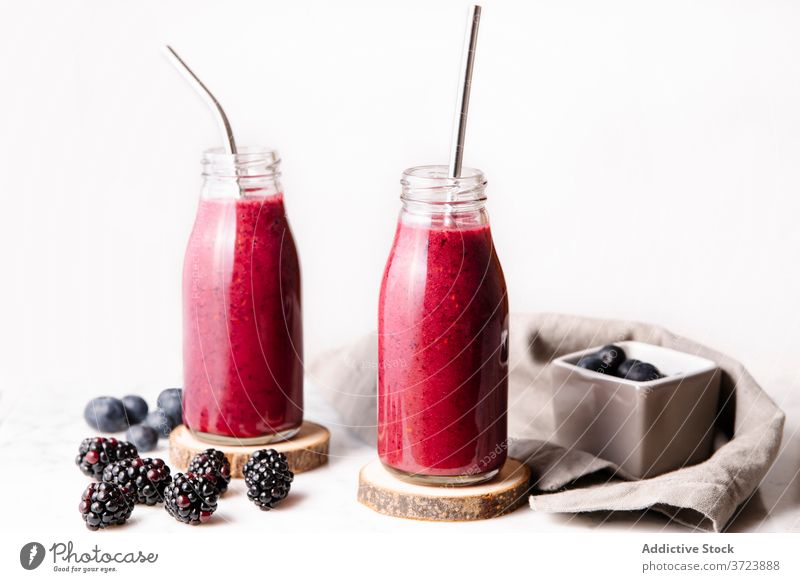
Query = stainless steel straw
x=465 y=84
x=222 y=119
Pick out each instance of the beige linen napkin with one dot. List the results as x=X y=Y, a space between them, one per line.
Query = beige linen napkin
x=704 y=496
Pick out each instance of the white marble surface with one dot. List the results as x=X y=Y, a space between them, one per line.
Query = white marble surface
x=40 y=429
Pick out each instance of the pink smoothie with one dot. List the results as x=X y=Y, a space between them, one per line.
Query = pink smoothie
x=242 y=321
x=442 y=353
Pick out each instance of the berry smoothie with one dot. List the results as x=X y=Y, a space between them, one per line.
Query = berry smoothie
x=443 y=354
x=242 y=321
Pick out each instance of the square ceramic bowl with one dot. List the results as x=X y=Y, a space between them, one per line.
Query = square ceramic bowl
x=645 y=428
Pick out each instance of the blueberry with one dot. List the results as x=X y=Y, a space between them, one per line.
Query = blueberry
x=611 y=355
x=106 y=414
x=170 y=402
x=143 y=437
x=159 y=421
x=592 y=363
x=625 y=367
x=135 y=408
x=640 y=371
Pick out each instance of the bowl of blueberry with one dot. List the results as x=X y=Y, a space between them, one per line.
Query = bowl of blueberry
x=648 y=409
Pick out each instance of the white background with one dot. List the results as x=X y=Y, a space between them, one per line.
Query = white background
x=643 y=162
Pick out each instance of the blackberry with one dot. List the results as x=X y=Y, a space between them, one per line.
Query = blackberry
x=268 y=478
x=270 y=455
x=192 y=498
x=105 y=504
x=212 y=461
x=96 y=453
x=145 y=478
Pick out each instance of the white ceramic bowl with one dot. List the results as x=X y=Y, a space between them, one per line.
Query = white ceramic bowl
x=645 y=428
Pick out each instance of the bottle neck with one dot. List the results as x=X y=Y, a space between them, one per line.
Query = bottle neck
x=252 y=172
x=430 y=196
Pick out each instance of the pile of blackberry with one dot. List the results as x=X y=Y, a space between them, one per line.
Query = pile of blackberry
x=96 y=453
x=268 y=478
x=146 y=479
x=192 y=498
x=214 y=462
x=105 y=504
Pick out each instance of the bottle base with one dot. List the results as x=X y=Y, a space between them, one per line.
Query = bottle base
x=442 y=480
x=217 y=439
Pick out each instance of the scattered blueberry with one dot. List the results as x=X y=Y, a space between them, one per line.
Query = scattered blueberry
x=641 y=371
x=159 y=421
x=135 y=408
x=612 y=356
x=144 y=437
x=106 y=414
x=592 y=363
x=170 y=402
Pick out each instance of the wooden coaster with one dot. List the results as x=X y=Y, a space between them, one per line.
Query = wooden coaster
x=380 y=490
x=307 y=450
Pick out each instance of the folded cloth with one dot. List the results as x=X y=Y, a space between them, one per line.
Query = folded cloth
x=704 y=496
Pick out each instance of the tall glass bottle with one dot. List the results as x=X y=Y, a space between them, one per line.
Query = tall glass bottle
x=242 y=325
x=443 y=335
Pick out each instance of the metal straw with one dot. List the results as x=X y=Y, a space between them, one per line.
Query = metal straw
x=465 y=84
x=222 y=119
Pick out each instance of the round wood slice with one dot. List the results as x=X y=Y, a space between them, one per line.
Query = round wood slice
x=307 y=450
x=380 y=490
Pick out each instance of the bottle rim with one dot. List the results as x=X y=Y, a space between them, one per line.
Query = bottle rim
x=432 y=184
x=249 y=161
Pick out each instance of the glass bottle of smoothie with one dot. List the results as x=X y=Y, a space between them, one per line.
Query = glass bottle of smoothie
x=242 y=327
x=443 y=335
